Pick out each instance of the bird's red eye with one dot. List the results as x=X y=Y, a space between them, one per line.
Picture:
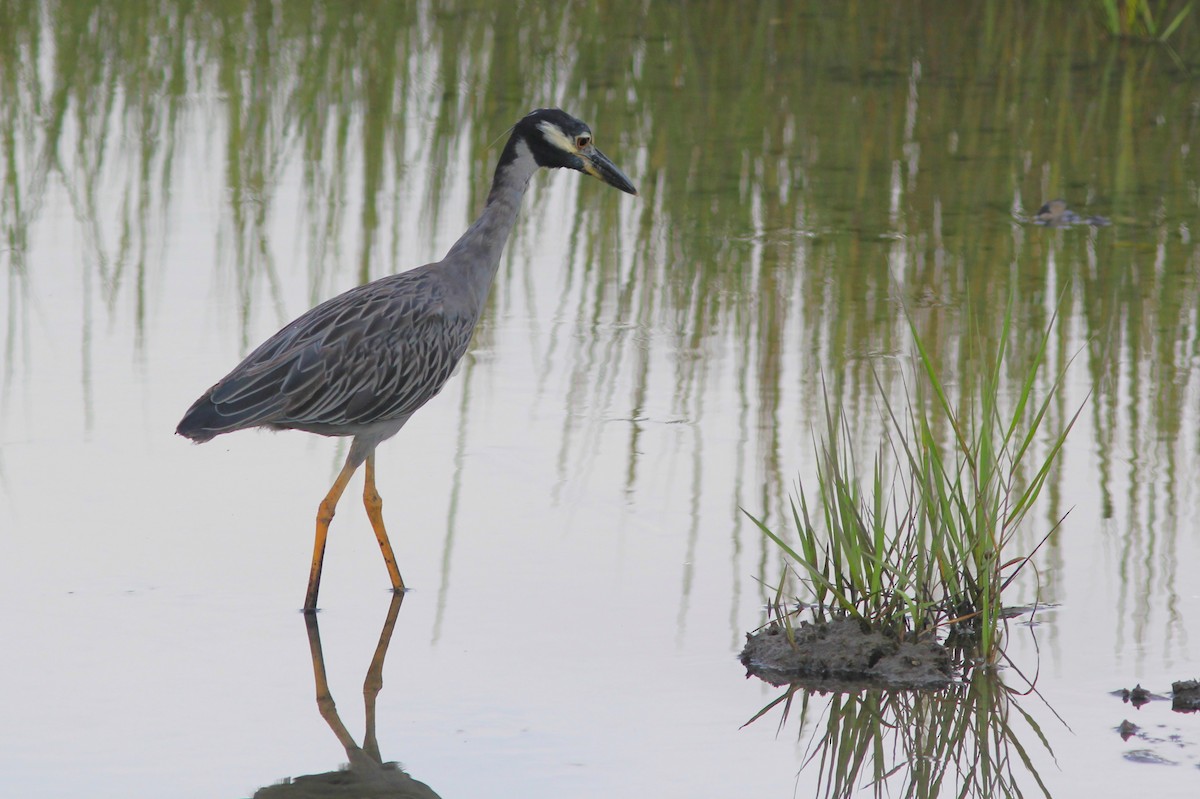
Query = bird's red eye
x=582 y=141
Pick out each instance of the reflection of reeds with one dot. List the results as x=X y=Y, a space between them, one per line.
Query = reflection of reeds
x=1138 y=19
x=797 y=161
x=970 y=740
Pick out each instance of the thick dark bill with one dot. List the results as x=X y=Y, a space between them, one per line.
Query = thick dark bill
x=597 y=165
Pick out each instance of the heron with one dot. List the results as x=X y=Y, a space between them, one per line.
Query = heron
x=362 y=363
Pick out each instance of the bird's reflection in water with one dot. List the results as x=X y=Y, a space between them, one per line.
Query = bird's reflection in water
x=366 y=775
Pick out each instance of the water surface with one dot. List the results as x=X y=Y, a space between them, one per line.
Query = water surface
x=181 y=180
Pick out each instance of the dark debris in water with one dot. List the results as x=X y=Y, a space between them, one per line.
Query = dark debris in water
x=1136 y=696
x=1160 y=744
x=1185 y=696
x=840 y=655
x=1056 y=213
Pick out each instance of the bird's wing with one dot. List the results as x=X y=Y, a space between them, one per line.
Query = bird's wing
x=374 y=353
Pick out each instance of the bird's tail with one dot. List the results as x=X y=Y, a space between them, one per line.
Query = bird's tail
x=237 y=402
x=203 y=421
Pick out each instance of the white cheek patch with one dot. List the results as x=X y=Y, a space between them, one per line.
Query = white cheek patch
x=553 y=134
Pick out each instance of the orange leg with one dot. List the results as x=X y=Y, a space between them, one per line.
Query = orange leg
x=374 y=505
x=324 y=517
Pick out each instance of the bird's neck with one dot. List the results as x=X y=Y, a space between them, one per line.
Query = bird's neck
x=476 y=255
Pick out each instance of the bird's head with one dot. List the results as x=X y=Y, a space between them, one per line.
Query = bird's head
x=557 y=139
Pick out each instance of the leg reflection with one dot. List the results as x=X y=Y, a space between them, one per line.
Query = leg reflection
x=367 y=775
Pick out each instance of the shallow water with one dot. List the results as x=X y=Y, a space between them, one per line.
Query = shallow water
x=179 y=182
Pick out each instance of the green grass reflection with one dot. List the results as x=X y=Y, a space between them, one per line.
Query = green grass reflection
x=798 y=162
x=970 y=740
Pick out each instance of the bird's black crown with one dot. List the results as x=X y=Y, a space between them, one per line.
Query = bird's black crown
x=553 y=137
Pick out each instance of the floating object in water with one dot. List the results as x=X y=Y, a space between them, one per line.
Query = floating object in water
x=1056 y=214
x=1185 y=696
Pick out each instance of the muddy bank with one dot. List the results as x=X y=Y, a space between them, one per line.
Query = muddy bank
x=840 y=655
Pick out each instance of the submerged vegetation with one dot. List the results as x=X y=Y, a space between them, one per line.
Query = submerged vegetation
x=926 y=544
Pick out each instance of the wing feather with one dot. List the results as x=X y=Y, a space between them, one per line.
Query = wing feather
x=374 y=353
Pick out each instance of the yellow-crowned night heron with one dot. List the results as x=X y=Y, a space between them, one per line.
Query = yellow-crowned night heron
x=363 y=362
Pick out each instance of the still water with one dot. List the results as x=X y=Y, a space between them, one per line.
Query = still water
x=179 y=180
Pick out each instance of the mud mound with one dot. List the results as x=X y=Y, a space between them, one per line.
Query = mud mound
x=841 y=655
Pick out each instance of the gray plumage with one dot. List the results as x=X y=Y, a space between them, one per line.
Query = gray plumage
x=371 y=355
x=361 y=363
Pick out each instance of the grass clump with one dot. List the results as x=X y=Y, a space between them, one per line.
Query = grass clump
x=923 y=543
